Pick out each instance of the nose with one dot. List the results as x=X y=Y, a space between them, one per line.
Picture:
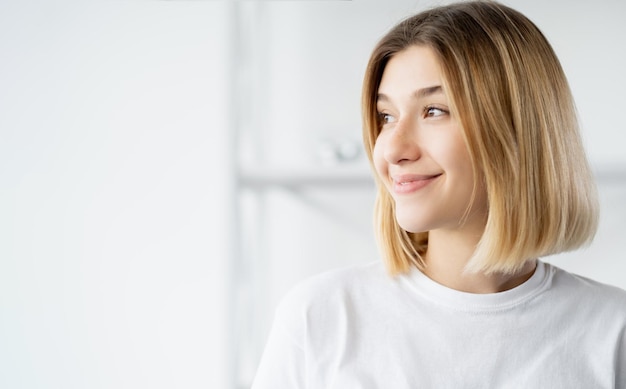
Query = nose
x=401 y=143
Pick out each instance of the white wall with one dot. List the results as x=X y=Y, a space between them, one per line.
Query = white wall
x=112 y=194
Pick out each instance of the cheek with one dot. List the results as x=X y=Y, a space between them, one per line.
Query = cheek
x=456 y=154
x=465 y=177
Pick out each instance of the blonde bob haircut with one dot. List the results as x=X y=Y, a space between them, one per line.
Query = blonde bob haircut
x=511 y=97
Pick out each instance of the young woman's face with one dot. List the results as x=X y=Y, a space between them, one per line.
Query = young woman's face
x=420 y=154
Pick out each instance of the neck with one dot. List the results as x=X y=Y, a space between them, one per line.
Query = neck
x=447 y=255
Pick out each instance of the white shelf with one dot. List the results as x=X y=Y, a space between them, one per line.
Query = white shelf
x=338 y=176
x=610 y=174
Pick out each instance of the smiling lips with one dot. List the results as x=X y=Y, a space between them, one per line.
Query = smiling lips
x=410 y=183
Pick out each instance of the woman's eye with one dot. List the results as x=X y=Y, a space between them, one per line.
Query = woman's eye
x=385 y=118
x=433 y=112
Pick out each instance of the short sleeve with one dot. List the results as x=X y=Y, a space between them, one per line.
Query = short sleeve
x=283 y=361
x=620 y=375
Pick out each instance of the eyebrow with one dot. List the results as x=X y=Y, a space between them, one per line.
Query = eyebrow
x=418 y=94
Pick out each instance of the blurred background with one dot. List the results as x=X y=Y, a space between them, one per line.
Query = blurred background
x=169 y=169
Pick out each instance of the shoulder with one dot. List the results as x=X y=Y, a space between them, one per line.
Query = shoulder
x=587 y=294
x=581 y=284
x=326 y=296
x=335 y=284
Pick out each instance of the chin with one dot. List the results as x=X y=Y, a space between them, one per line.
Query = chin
x=412 y=226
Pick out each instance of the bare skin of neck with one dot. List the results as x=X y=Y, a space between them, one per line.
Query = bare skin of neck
x=448 y=253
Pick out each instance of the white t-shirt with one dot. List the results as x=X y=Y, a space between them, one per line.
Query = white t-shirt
x=359 y=328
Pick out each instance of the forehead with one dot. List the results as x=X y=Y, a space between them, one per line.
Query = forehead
x=413 y=68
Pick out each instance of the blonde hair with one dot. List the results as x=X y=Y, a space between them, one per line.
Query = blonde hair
x=511 y=96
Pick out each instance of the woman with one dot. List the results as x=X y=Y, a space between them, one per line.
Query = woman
x=471 y=130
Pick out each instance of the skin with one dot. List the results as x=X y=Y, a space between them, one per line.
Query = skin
x=423 y=160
